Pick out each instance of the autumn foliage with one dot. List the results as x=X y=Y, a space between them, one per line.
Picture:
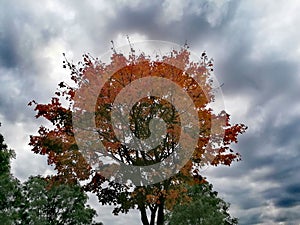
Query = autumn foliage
x=214 y=133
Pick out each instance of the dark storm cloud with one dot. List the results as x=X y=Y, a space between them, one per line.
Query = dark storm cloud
x=270 y=158
x=8 y=51
x=144 y=20
x=196 y=21
x=288 y=195
x=287 y=201
x=286 y=134
x=191 y=26
x=25 y=31
x=267 y=78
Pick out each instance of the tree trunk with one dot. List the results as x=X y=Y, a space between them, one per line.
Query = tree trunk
x=161 y=214
x=144 y=215
x=153 y=214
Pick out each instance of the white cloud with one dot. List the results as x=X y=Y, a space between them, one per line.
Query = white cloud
x=173 y=11
x=274 y=26
x=121 y=39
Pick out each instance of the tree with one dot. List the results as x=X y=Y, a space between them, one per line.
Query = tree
x=54 y=204
x=10 y=189
x=72 y=145
x=38 y=202
x=203 y=208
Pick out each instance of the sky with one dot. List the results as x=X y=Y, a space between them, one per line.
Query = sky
x=256 y=49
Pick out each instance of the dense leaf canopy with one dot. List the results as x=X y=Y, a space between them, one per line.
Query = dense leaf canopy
x=203 y=208
x=39 y=201
x=214 y=133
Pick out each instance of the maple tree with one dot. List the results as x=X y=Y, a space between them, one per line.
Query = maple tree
x=74 y=149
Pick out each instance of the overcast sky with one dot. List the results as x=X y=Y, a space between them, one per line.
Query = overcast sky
x=256 y=48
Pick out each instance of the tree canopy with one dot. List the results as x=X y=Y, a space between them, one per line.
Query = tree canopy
x=10 y=187
x=113 y=112
x=203 y=208
x=39 y=201
x=55 y=204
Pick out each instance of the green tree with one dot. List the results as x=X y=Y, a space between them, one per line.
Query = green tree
x=38 y=202
x=204 y=208
x=54 y=204
x=10 y=188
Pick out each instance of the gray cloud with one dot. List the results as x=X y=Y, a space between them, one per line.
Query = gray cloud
x=25 y=31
